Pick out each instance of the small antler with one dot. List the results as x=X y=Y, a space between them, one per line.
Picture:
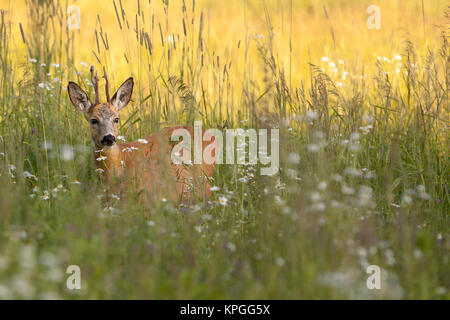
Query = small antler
x=106 y=85
x=94 y=80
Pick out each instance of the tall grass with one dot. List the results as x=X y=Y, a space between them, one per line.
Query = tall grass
x=363 y=145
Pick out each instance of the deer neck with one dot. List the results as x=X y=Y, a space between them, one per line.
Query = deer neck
x=107 y=158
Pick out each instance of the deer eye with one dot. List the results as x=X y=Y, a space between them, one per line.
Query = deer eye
x=116 y=120
x=94 y=121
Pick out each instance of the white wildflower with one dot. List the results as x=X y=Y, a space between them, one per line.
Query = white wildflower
x=421 y=192
x=47 y=145
x=366 y=129
x=365 y=196
x=318 y=206
x=335 y=204
x=115 y=196
x=223 y=201
x=28 y=175
x=129 y=149
x=280 y=262
x=315 y=196
x=406 y=199
x=293 y=158
x=231 y=246
x=347 y=190
x=354 y=172
x=312 y=115
x=336 y=177
x=313 y=148
x=322 y=185
x=368 y=118
x=66 y=152
x=278 y=200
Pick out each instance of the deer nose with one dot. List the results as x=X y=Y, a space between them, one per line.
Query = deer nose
x=108 y=140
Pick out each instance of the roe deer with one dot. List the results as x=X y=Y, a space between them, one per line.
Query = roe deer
x=145 y=165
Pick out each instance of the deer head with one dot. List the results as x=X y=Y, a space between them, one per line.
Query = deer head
x=103 y=117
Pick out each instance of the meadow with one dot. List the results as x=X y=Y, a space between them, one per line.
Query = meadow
x=363 y=116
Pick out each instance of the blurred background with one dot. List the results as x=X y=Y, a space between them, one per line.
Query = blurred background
x=358 y=89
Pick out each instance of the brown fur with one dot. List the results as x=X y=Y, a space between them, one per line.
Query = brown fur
x=151 y=170
x=148 y=169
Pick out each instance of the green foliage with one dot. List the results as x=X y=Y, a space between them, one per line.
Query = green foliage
x=363 y=180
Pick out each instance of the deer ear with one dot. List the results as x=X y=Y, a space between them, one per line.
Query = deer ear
x=121 y=98
x=78 y=97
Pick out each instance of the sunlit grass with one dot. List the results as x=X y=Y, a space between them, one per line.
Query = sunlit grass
x=363 y=119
